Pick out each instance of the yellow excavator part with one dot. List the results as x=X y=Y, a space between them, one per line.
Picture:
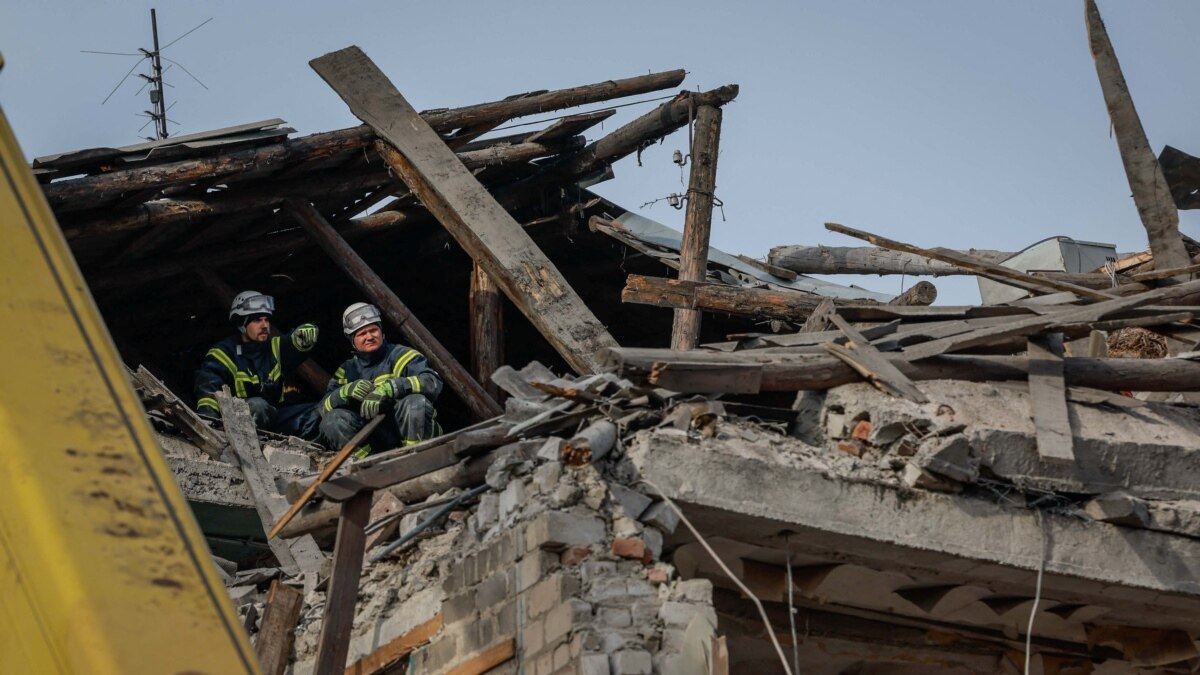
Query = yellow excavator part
x=102 y=565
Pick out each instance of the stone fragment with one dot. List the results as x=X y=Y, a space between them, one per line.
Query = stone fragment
x=488 y=511
x=547 y=476
x=556 y=530
x=660 y=515
x=654 y=542
x=551 y=450
x=916 y=477
x=681 y=613
x=951 y=457
x=633 y=502
x=513 y=498
x=1119 y=508
x=594 y=664
x=693 y=590
x=287 y=460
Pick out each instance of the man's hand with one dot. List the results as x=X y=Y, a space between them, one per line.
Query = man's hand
x=359 y=389
x=374 y=401
x=305 y=337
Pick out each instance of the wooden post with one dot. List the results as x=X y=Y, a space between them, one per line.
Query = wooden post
x=348 y=550
x=467 y=388
x=487 y=329
x=466 y=209
x=1150 y=191
x=693 y=253
x=274 y=642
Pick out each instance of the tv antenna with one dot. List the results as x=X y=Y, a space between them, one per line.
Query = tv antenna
x=158 y=101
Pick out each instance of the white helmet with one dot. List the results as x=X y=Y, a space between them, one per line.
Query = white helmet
x=358 y=315
x=250 y=303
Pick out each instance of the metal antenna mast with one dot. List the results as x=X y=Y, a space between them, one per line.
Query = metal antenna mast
x=157 y=98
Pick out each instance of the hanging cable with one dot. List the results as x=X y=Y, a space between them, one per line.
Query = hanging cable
x=1037 y=594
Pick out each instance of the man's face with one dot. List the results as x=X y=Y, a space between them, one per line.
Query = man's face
x=368 y=338
x=258 y=329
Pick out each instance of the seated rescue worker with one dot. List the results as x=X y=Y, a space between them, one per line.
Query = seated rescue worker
x=380 y=378
x=253 y=365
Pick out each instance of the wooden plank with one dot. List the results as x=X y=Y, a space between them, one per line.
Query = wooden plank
x=468 y=211
x=378 y=661
x=456 y=377
x=348 y=551
x=487 y=330
x=1166 y=274
x=697 y=223
x=818 y=321
x=1048 y=399
x=300 y=554
x=1151 y=193
x=709 y=378
x=868 y=362
x=485 y=661
x=332 y=466
x=273 y=644
x=992 y=271
x=570 y=126
x=165 y=400
x=389 y=473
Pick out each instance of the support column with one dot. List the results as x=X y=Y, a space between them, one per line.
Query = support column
x=693 y=254
x=487 y=329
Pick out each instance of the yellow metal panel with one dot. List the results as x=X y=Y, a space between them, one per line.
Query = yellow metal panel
x=102 y=565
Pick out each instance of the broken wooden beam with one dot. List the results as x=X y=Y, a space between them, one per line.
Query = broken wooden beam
x=273 y=644
x=378 y=661
x=872 y=260
x=1151 y=194
x=867 y=361
x=787 y=372
x=919 y=294
x=419 y=337
x=466 y=209
x=697 y=223
x=1048 y=399
x=333 y=645
x=992 y=271
x=487 y=329
x=756 y=302
x=183 y=417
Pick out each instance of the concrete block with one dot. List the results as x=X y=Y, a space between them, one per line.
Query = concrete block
x=916 y=477
x=608 y=591
x=693 y=590
x=566 y=617
x=547 y=476
x=459 y=607
x=612 y=641
x=654 y=542
x=631 y=662
x=595 y=569
x=513 y=498
x=562 y=656
x=565 y=496
x=551 y=450
x=533 y=636
x=534 y=567
x=632 y=502
x=682 y=613
x=488 y=511
x=494 y=590
x=594 y=664
x=1119 y=508
x=549 y=593
x=287 y=460
x=615 y=617
x=574 y=555
x=661 y=516
x=556 y=530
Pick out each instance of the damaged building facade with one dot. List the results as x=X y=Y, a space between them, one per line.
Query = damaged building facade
x=811 y=478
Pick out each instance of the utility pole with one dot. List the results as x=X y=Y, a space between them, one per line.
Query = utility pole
x=157 y=98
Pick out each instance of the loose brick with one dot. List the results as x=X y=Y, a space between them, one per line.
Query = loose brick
x=594 y=664
x=574 y=555
x=556 y=530
x=661 y=516
x=862 y=430
x=632 y=502
x=630 y=547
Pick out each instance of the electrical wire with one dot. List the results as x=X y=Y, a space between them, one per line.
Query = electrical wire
x=122 y=81
x=160 y=49
x=1037 y=594
x=787 y=668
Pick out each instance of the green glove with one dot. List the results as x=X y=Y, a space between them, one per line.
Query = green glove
x=374 y=401
x=358 y=389
x=304 y=337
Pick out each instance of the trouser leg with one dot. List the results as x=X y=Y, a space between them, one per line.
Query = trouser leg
x=301 y=420
x=338 y=427
x=416 y=419
x=264 y=413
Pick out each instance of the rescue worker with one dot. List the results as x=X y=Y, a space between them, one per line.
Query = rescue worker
x=380 y=378
x=253 y=365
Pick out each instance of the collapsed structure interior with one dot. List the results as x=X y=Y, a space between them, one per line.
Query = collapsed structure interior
x=833 y=482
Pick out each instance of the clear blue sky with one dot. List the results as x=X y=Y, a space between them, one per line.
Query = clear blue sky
x=944 y=122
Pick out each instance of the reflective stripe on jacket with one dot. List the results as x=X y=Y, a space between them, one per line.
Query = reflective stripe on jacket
x=408 y=371
x=249 y=369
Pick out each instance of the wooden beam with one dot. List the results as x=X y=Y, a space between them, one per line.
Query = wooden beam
x=165 y=400
x=301 y=553
x=377 y=662
x=457 y=378
x=697 y=223
x=786 y=372
x=328 y=471
x=1150 y=191
x=348 y=551
x=487 y=329
x=1048 y=399
x=736 y=300
x=273 y=644
x=872 y=260
x=486 y=660
x=919 y=294
x=992 y=271
x=468 y=211
x=867 y=361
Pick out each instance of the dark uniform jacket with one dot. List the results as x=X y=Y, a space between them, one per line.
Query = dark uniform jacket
x=249 y=369
x=407 y=369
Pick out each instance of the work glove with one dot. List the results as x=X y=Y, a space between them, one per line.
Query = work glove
x=359 y=389
x=305 y=337
x=372 y=404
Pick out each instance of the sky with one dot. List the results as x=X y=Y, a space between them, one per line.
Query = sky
x=956 y=123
